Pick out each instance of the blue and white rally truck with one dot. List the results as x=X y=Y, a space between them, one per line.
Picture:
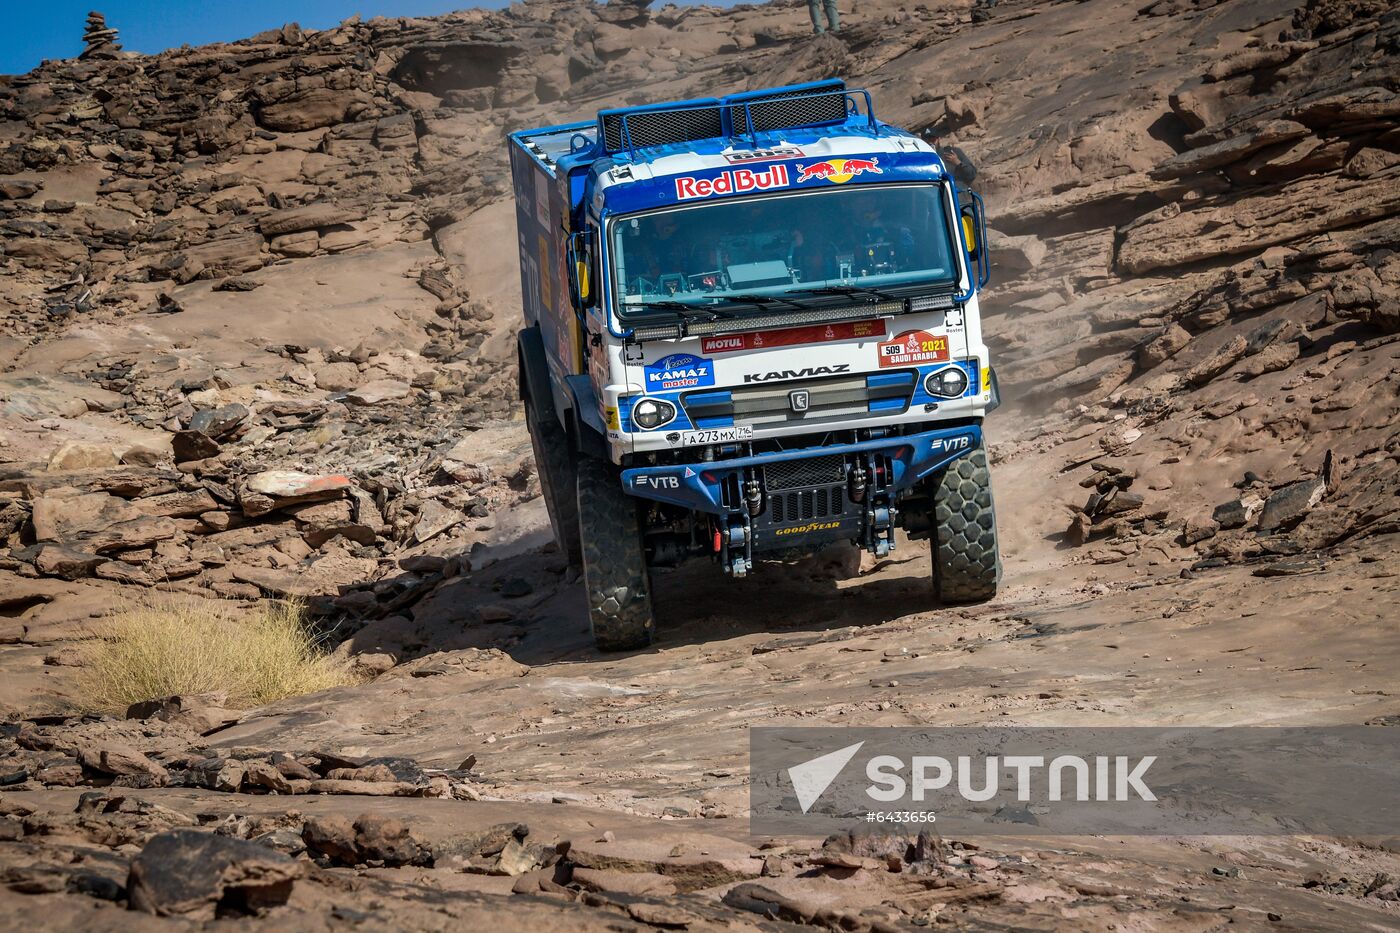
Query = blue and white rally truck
x=751 y=328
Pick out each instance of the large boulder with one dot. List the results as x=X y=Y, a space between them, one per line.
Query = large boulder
x=1164 y=346
x=307 y=217
x=75 y=456
x=312 y=109
x=16 y=188
x=219 y=422
x=55 y=560
x=56 y=518
x=189 y=873
x=369 y=838
x=1291 y=504
x=294 y=485
x=202 y=713
x=379 y=392
x=116 y=761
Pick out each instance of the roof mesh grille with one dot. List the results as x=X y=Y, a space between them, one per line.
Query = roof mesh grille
x=818 y=103
x=661 y=127
x=789 y=108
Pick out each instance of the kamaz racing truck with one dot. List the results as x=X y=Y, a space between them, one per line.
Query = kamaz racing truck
x=751 y=329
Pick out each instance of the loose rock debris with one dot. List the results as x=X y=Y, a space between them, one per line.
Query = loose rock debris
x=256 y=322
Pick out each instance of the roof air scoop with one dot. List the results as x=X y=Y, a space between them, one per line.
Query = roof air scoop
x=660 y=124
x=819 y=103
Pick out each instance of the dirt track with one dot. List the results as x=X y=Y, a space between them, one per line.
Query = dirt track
x=651 y=748
x=1194 y=302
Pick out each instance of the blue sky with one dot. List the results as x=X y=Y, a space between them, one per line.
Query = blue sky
x=39 y=29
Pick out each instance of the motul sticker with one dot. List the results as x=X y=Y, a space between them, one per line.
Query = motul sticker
x=913 y=348
x=731 y=181
x=794 y=336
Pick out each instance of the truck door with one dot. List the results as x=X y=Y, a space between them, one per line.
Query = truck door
x=965 y=324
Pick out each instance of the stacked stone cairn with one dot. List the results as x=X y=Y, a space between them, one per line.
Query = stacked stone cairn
x=101 y=42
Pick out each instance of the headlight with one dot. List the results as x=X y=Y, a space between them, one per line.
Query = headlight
x=651 y=413
x=946 y=383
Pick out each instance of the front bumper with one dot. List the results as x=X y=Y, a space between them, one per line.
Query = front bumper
x=700 y=486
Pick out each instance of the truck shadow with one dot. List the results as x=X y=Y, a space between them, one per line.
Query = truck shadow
x=697 y=603
x=534 y=609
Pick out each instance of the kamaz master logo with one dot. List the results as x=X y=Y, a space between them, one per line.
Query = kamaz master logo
x=680 y=371
x=799 y=373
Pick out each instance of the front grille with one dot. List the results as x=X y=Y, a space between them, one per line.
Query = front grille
x=811 y=471
x=809 y=504
x=838 y=398
x=771 y=404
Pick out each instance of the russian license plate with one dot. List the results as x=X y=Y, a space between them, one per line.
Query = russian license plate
x=716 y=436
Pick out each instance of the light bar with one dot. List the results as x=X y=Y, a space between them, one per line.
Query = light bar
x=878 y=309
x=767 y=322
x=931 y=303
x=658 y=332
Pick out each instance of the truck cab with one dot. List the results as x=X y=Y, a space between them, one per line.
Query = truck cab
x=751 y=327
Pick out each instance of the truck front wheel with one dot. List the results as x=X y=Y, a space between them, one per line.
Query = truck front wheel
x=614 y=560
x=963 y=539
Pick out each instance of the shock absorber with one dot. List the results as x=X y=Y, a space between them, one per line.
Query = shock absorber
x=879 y=510
x=753 y=496
x=857 y=482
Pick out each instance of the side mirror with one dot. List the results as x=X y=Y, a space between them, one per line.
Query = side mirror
x=580 y=265
x=974 y=228
x=969 y=226
x=581 y=283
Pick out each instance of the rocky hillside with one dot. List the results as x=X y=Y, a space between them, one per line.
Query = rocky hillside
x=1209 y=265
x=294 y=252
x=256 y=322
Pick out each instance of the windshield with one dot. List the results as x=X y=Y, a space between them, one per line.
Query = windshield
x=782 y=248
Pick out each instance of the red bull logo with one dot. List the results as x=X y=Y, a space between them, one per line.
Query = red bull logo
x=733 y=181
x=839 y=171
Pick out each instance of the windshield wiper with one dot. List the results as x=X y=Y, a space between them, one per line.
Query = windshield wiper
x=661 y=305
x=852 y=291
x=680 y=307
x=765 y=300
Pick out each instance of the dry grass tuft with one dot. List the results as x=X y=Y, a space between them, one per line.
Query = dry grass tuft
x=169 y=648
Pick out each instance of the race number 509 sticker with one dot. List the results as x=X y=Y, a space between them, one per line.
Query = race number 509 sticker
x=914 y=347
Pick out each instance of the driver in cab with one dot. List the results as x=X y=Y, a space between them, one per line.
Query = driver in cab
x=668 y=253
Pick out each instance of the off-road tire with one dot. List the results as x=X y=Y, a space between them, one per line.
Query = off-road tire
x=554 y=460
x=615 y=573
x=963 y=539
